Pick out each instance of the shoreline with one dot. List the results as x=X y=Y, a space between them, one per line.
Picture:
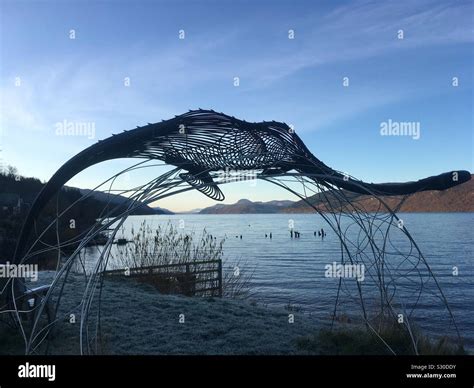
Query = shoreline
x=137 y=320
x=305 y=212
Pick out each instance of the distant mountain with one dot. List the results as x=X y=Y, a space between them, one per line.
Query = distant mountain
x=456 y=199
x=279 y=203
x=192 y=211
x=244 y=206
x=116 y=199
x=161 y=210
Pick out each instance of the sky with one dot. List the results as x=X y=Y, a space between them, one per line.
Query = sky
x=334 y=70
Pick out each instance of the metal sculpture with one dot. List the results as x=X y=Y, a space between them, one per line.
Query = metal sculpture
x=201 y=143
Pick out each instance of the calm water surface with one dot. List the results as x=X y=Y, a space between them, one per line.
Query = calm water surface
x=292 y=270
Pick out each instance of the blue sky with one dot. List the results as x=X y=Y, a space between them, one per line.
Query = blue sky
x=298 y=81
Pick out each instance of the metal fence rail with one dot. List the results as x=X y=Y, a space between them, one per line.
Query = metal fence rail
x=193 y=278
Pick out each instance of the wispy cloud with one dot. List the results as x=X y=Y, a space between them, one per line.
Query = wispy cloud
x=170 y=76
x=89 y=86
x=361 y=30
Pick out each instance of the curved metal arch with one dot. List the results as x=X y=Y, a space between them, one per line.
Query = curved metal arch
x=200 y=144
x=204 y=141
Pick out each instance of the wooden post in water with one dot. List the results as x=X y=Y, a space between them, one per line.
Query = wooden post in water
x=219 y=275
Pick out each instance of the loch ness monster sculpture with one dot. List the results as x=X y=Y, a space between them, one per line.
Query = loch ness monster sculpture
x=202 y=141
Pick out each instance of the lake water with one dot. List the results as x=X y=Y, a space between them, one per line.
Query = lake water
x=293 y=270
